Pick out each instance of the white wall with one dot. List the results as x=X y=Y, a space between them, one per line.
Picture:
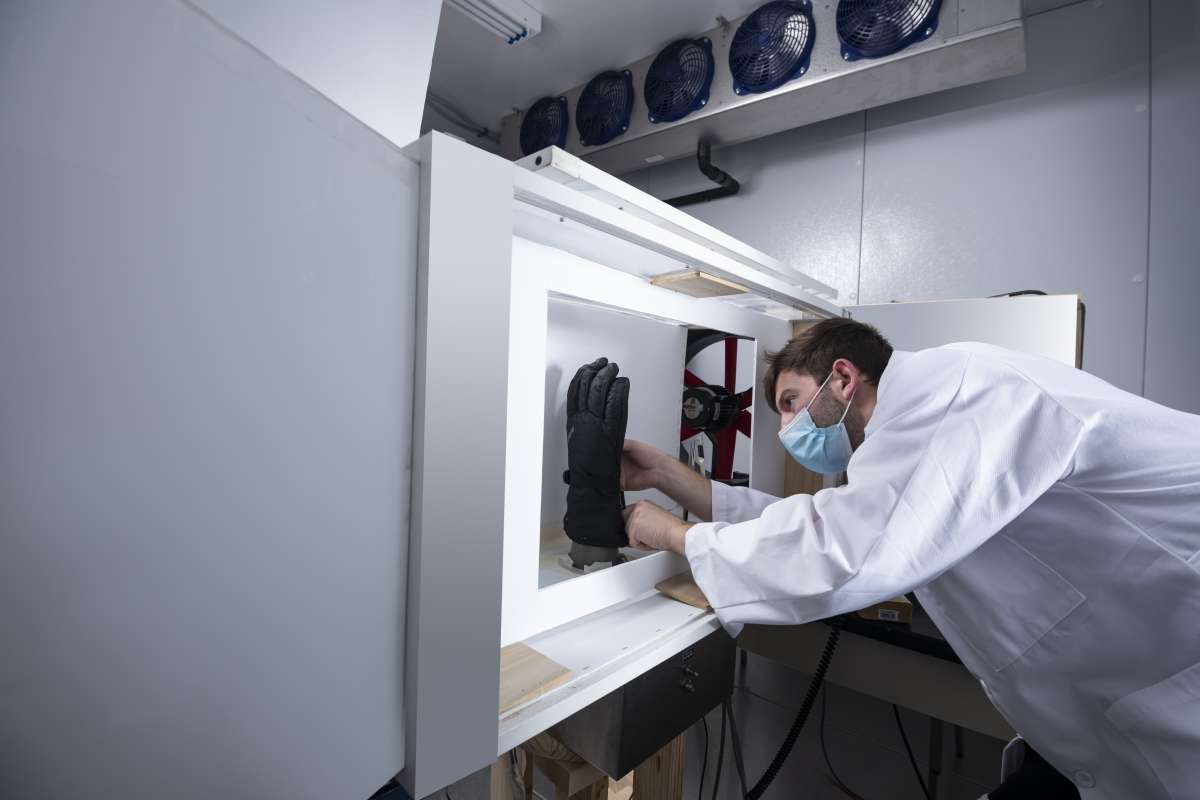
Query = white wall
x=1173 y=324
x=371 y=57
x=1039 y=181
x=206 y=349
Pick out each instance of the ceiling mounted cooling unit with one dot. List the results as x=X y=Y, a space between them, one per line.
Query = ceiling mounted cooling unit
x=878 y=28
x=772 y=46
x=786 y=64
x=545 y=124
x=604 y=108
x=679 y=80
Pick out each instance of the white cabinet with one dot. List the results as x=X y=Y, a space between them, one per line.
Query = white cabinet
x=524 y=274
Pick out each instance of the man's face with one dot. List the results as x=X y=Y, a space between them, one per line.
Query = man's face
x=794 y=390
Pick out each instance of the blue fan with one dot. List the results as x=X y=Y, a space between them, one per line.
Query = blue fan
x=545 y=124
x=679 y=79
x=772 y=46
x=604 y=107
x=877 y=28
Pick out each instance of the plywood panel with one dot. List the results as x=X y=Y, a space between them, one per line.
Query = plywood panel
x=526 y=674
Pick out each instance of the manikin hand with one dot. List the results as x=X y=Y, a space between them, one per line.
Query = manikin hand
x=650 y=527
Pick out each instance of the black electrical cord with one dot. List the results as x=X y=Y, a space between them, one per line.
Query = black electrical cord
x=1019 y=293
x=814 y=687
x=727 y=706
x=911 y=758
x=704 y=763
x=720 y=760
x=846 y=790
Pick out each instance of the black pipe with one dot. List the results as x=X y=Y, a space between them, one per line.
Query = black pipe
x=726 y=184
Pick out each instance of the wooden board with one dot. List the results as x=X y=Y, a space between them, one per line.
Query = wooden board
x=525 y=674
x=682 y=587
x=660 y=777
x=697 y=284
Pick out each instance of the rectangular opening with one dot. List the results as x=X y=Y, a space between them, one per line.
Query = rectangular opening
x=690 y=395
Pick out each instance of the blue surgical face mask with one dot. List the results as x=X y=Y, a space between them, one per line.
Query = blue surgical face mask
x=824 y=450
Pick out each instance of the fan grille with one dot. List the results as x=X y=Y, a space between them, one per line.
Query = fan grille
x=679 y=79
x=771 y=46
x=605 y=104
x=545 y=124
x=876 y=28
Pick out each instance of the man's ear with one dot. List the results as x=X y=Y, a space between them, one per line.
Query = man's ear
x=847 y=377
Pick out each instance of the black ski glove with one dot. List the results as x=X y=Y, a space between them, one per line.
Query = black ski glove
x=597 y=410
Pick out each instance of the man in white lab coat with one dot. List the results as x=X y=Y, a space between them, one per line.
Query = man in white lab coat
x=1048 y=522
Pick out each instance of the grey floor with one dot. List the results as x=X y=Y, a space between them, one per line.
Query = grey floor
x=861 y=737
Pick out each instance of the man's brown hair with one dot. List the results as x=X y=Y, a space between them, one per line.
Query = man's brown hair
x=813 y=351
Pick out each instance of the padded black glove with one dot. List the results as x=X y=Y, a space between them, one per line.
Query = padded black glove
x=597 y=410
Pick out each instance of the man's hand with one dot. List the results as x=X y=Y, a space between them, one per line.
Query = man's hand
x=640 y=466
x=651 y=527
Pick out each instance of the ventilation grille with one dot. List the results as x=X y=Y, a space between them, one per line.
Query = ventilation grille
x=679 y=80
x=772 y=46
x=877 y=28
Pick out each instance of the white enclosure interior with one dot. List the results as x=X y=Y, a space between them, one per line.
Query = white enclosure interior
x=567 y=310
x=649 y=353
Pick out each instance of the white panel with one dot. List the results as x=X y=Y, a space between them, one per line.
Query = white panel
x=1174 y=276
x=459 y=454
x=1032 y=182
x=206 y=329
x=1044 y=326
x=371 y=57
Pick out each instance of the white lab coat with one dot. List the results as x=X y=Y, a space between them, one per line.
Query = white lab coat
x=1050 y=524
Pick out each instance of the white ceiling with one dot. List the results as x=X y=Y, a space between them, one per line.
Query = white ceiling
x=485 y=78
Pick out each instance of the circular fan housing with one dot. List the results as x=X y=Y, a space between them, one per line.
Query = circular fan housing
x=604 y=107
x=545 y=124
x=679 y=79
x=877 y=28
x=772 y=46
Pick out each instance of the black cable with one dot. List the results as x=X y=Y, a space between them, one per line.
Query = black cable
x=727 y=706
x=814 y=687
x=1019 y=293
x=704 y=763
x=846 y=790
x=720 y=760
x=911 y=758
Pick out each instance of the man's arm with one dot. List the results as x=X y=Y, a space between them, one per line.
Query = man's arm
x=645 y=467
x=968 y=452
x=685 y=486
